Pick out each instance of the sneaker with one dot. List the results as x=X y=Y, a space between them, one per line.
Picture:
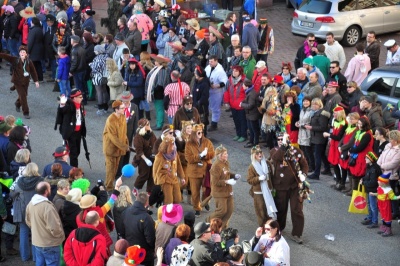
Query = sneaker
x=372 y=225
x=297 y=239
x=135 y=192
x=366 y=222
x=236 y=138
x=241 y=139
x=12 y=251
x=197 y=214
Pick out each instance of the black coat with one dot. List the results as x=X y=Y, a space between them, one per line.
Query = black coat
x=319 y=124
x=250 y=104
x=201 y=93
x=11 y=27
x=78 y=59
x=66 y=118
x=66 y=42
x=68 y=216
x=35 y=44
x=354 y=98
x=300 y=56
x=48 y=42
x=370 y=180
x=186 y=75
x=342 y=81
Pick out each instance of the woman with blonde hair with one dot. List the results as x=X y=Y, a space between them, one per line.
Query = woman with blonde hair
x=339 y=126
x=22 y=192
x=182 y=137
x=114 y=79
x=123 y=202
x=270 y=107
x=22 y=158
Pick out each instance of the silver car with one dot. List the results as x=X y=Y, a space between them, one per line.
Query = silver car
x=348 y=20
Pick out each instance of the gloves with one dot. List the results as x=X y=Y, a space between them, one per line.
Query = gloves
x=63 y=99
x=237 y=177
x=203 y=153
x=148 y=162
x=230 y=182
x=262 y=177
x=178 y=134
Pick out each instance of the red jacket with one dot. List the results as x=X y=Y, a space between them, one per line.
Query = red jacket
x=256 y=80
x=234 y=94
x=24 y=28
x=85 y=246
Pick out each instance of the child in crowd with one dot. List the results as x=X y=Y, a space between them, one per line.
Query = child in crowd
x=385 y=194
x=370 y=181
x=64 y=65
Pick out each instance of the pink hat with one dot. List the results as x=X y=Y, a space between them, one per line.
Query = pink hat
x=8 y=8
x=172 y=213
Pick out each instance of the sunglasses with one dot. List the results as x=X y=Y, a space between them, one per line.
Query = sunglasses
x=188 y=103
x=280 y=139
x=311 y=40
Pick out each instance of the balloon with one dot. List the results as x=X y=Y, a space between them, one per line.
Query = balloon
x=128 y=170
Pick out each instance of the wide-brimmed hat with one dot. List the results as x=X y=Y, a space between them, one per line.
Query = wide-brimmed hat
x=193 y=23
x=60 y=152
x=134 y=255
x=160 y=58
x=215 y=32
x=172 y=213
x=4 y=127
x=176 y=44
x=200 y=228
x=27 y=12
x=125 y=96
x=87 y=201
x=160 y=3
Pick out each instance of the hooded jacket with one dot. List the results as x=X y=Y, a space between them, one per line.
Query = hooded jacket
x=358 y=68
x=375 y=117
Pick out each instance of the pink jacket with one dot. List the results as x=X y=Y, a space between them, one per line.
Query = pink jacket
x=144 y=24
x=389 y=161
x=358 y=68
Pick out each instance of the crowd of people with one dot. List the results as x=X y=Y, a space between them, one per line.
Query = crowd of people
x=317 y=115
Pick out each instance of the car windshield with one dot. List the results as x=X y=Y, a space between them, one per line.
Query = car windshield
x=316 y=7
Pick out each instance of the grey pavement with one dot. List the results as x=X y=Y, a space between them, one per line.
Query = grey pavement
x=327 y=213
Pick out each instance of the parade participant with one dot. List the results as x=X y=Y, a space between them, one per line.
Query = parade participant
x=305 y=134
x=198 y=152
x=61 y=155
x=201 y=92
x=143 y=142
x=168 y=172
x=291 y=114
x=46 y=226
x=289 y=164
x=393 y=53
x=174 y=94
x=385 y=196
x=363 y=143
x=259 y=175
x=218 y=79
x=338 y=131
x=270 y=107
x=222 y=180
x=115 y=142
x=23 y=69
x=132 y=117
x=267 y=41
x=233 y=96
x=186 y=113
x=71 y=118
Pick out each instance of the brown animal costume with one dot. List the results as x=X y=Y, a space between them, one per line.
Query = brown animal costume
x=253 y=178
x=22 y=71
x=197 y=165
x=143 y=143
x=168 y=171
x=115 y=143
x=220 y=190
x=186 y=113
x=286 y=159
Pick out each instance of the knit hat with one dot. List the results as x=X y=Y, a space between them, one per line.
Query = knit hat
x=74 y=195
x=278 y=79
x=220 y=149
x=190 y=46
x=187 y=99
x=4 y=127
x=181 y=255
x=384 y=178
x=116 y=104
x=119 y=37
x=372 y=156
x=59 y=5
x=134 y=255
x=76 y=3
x=159 y=2
x=121 y=246
x=200 y=34
x=8 y=8
x=82 y=183
x=308 y=61
x=50 y=17
x=87 y=201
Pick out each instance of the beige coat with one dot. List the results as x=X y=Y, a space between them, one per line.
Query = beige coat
x=115 y=141
x=115 y=83
x=192 y=152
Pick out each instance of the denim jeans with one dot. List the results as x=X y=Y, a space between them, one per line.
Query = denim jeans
x=12 y=46
x=319 y=157
x=24 y=242
x=372 y=209
x=239 y=118
x=254 y=129
x=53 y=67
x=170 y=119
x=65 y=87
x=79 y=80
x=48 y=256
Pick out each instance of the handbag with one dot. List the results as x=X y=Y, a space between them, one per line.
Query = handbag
x=9 y=228
x=358 y=203
x=103 y=81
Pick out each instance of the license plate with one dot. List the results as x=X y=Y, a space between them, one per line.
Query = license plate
x=307 y=24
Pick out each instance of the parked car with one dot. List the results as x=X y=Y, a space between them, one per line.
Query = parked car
x=348 y=20
x=384 y=81
x=293 y=3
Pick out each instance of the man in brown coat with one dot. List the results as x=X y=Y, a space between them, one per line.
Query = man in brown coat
x=115 y=142
x=186 y=113
x=288 y=161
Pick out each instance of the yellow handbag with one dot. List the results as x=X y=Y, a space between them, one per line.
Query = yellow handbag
x=358 y=203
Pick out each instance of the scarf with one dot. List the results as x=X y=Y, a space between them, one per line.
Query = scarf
x=286 y=78
x=59 y=38
x=236 y=80
x=153 y=74
x=248 y=90
x=307 y=50
x=262 y=169
x=170 y=156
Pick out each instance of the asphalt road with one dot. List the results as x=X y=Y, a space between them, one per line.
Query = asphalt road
x=354 y=244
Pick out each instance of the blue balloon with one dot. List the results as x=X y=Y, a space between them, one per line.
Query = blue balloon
x=128 y=171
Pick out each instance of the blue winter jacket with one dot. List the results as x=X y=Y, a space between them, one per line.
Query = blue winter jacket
x=135 y=83
x=64 y=65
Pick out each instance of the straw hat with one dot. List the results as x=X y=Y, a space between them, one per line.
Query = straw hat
x=177 y=45
x=27 y=12
x=215 y=32
x=160 y=58
x=193 y=23
x=87 y=201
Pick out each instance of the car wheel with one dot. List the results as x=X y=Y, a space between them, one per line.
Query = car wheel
x=351 y=36
x=288 y=4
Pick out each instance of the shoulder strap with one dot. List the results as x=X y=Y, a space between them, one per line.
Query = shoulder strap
x=93 y=252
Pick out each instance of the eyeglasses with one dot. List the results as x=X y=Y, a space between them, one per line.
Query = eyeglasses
x=280 y=139
x=188 y=103
x=311 y=40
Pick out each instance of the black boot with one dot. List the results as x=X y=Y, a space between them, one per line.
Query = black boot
x=148 y=116
x=213 y=127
